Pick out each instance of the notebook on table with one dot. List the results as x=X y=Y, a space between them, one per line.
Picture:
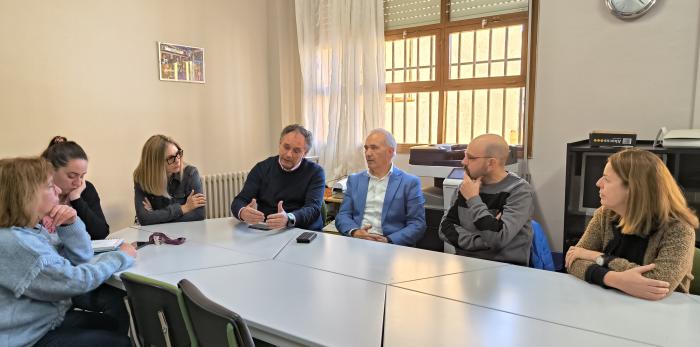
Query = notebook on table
x=99 y=246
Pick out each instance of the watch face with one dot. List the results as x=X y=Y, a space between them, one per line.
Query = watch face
x=629 y=8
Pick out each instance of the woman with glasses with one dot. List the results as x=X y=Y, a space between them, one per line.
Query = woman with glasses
x=70 y=164
x=43 y=273
x=640 y=240
x=166 y=189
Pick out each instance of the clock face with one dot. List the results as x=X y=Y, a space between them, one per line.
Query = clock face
x=629 y=8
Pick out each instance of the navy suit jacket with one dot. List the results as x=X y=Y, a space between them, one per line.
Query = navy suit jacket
x=403 y=212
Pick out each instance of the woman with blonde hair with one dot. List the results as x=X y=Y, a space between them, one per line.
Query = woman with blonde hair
x=42 y=271
x=166 y=189
x=641 y=239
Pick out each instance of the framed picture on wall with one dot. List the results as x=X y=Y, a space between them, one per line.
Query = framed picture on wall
x=180 y=63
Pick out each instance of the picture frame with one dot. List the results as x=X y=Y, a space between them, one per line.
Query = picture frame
x=180 y=63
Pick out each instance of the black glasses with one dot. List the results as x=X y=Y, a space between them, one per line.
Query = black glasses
x=171 y=159
x=470 y=157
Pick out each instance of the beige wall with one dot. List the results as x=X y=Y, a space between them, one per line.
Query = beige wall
x=88 y=70
x=598 y=72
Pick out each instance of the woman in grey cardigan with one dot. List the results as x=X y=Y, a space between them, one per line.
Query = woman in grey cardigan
x=640 y=240
x=42 y=271
x=166 y=190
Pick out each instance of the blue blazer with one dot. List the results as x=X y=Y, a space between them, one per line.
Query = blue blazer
x=403 y=212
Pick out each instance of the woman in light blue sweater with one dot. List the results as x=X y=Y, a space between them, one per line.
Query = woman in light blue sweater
x=40 y=272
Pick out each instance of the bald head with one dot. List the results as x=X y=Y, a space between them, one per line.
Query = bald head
x=492 y=145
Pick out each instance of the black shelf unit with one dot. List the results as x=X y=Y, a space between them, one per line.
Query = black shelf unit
x=584 y=165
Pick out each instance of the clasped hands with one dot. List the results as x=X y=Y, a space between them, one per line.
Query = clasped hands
x=194 y=201
x=60 y=215
x=363 y=233
x=631 y=281
x=251 y=215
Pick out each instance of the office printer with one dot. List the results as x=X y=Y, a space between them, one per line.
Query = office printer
x=443 y=162
x=682 y=138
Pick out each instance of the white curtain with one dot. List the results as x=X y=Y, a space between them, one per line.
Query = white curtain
x=341 y=50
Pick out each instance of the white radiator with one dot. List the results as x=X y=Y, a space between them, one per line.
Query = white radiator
x=220 y=190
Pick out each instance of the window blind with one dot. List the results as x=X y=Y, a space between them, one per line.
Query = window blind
x=469 y=9
x=400 y=14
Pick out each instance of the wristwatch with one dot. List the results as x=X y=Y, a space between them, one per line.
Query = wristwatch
x=291 y=220
x=603 y=260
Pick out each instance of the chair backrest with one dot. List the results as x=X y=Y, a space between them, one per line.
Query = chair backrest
x=158 y=312
x=695 y=283
x=540 y=253
x=324 y=212
x=213 y=324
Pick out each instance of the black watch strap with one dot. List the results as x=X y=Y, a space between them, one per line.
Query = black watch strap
x=607 y=258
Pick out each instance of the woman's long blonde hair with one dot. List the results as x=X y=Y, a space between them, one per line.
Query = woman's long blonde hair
x=20 y=182
x=654 y=199
x=151 y=173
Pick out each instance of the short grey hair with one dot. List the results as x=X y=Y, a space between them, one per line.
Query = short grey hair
x=388 y=137
x=308 y=137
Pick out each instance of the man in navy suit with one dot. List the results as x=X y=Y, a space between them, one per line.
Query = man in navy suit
x=383 y=203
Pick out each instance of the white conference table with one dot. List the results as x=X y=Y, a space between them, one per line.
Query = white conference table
x=416 y=319
x=566 y=300
x=343 y=291
x=287 y=304
x=228 y=233
x=377 y=262
x=191 y=255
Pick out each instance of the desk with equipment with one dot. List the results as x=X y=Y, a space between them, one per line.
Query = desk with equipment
x=584 y=166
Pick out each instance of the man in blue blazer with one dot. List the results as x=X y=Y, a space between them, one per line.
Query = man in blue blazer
x=382 y=203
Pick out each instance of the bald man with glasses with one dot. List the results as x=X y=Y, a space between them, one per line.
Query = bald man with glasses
x=491 y=212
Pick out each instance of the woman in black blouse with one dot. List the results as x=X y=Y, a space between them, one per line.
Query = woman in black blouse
x=166 y=189
x=70 y=163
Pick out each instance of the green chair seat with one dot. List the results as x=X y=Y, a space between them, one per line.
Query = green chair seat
x=695 y=283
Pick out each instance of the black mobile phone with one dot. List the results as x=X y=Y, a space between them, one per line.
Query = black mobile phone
x=260 y=226
x=139 y=244
x=306 y=237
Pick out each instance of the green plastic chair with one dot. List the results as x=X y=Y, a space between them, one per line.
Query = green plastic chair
x=213 y=325
x=158 y=312
x=695 y=283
